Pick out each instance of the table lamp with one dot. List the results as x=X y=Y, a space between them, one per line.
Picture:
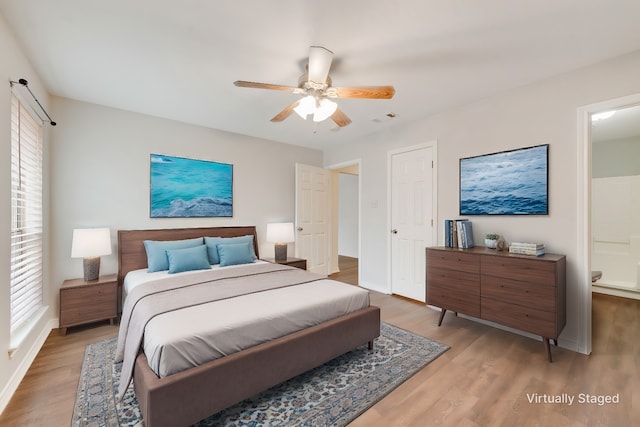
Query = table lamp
x=89 y=244
x=280 y=233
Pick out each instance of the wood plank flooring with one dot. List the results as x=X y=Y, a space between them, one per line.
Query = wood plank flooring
x=485 y=379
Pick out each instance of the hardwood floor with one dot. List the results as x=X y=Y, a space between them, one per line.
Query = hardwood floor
x=486 y=379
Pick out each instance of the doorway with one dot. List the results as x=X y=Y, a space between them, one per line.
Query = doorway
x=584 y=213
x=345 y=252
x=615 y=202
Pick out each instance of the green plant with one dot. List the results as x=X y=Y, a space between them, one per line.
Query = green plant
x=492 y=236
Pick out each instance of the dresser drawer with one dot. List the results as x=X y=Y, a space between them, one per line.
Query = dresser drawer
x=453 y=260
x=532 y=295
x=454 y=300
x=525 y=318
x=454 y=280
x=526 y=270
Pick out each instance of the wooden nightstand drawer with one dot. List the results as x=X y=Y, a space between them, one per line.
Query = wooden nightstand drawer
x=97 y=294
x=86 y=302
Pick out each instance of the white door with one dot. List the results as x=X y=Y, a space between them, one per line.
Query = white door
x=411 y=220
x=313 y=190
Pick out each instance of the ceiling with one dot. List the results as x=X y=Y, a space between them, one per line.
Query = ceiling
x=179 y=59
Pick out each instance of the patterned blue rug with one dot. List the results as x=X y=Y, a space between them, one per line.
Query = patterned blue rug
x=333 y=394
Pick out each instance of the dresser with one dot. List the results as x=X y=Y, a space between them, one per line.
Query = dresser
x=519 y=291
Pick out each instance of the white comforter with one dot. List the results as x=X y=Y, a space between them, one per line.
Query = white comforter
x=181 y=339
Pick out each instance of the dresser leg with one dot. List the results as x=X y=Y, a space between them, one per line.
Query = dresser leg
x=547 y=347
x=442 y=312
x=63 y=331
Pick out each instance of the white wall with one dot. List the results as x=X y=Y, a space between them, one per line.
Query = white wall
x=100 y=176
x=615 y=228
x=13 y=66
x=348 y=215
x=619 y=157
x=541 y=113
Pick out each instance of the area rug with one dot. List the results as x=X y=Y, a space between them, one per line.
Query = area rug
x=333 y=394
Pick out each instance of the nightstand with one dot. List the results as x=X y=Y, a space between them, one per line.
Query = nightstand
x=293 y=262
x=86 y=302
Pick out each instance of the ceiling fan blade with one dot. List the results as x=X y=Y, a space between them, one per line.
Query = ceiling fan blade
x=319 y=64
x=369 y=92
x=285 y=113
x=340 y=118
x=242 y=83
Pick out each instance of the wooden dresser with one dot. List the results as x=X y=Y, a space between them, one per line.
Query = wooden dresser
x=520 y=291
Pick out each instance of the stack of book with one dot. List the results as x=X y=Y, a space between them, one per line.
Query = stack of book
x=458 y=233
x=536 y=249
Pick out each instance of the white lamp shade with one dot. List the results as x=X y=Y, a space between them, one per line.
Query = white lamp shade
x=280 y=232
x=90 y=242
x=306 y=106
x=325 y=109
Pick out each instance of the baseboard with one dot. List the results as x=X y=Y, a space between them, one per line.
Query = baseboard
x=23 y=367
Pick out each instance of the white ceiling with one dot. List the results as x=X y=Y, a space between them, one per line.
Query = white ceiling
x=179 y=59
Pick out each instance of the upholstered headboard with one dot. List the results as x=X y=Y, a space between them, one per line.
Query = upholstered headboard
x=132 y=255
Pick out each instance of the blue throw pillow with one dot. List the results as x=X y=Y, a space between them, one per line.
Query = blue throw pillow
x=157 y=251
x=213 y=242
x=212 y=249
x=188 y=259
x=235 y=253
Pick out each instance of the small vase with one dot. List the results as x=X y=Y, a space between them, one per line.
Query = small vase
x=490 y=243
x=502 y=244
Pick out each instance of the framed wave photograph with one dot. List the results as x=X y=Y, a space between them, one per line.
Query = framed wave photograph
x=188 y=188
x=514 y=182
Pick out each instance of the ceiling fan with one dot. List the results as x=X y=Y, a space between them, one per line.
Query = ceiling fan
x=315 y=87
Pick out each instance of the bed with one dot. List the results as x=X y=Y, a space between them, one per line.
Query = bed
x=187 y=396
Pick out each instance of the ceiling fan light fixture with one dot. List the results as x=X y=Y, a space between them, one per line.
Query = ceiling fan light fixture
x=324 y=110
x=306 y=106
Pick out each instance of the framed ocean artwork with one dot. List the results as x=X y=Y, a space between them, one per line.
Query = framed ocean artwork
x=187 y=188
x=514 y=182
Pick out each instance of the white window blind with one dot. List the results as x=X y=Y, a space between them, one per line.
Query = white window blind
x=26 y=214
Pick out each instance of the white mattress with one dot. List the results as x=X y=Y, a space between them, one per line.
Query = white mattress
x=181 y=339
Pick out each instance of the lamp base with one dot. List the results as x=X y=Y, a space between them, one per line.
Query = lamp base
x=281 y=251
x=91 y=268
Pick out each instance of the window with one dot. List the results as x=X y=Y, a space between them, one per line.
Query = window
x=26 y=215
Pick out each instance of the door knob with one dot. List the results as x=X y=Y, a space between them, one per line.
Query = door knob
x=299 y=228
x=394 y=231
